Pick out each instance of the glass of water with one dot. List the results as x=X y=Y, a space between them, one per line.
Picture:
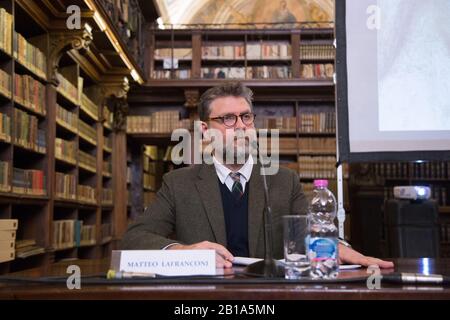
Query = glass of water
x=295 y=231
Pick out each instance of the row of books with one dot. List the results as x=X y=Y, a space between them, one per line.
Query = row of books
x=308 y=188
x=167 y=74
x=4 y=177
x=29 y=55
x=6 y=24
x=31 y=182
x=149 y=181
x=153 y=152
x=86 y=194
x=8 y=229
x=72 y=233
x=67 y=88
x=307 y=71
x=254 y=72
x=317 y=71
x=178 y=53
x=401 y=170
x=69 y=119
x=30 y=93
x=89 y=106
x=28 y=247
x=440 y=194
x=5 y=84
x=149 y=166
x=320 y=122
x=317 y=52
x=27 y=133
x=433 y=170
x=107 y=143
x=317 y=145
x=444 y=232
x=265 y=51
x=304 y=145
x=65 y=186
x=253 y=51
x=319 y=167
x=87 y=161
x=157 y=122
x=284 y=124
x=5 y=127
x=65 y=150
x=106 y=231
x=87 y=132
x=107 y=196
x=107 y=167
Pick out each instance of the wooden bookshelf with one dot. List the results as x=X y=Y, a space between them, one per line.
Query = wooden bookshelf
x=301 y=107
x=376 y=182
x=53 y=101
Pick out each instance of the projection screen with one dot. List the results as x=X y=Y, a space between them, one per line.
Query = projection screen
x=393 y=80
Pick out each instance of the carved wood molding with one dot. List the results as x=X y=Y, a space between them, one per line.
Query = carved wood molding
x=192 y=98
x=115 y=97
x=63 y=41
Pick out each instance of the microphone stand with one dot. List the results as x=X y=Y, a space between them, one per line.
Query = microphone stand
x=269 y=267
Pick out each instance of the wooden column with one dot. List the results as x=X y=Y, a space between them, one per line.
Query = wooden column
x=137 y=179
x=196 y=55
x=115 y=97
x=149 y=60
x=119 y=172
x=51 y=172
x=295 y=43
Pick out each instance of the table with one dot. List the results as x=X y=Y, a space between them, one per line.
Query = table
x=218 y=289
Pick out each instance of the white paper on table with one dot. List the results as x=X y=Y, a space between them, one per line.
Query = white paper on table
x=245 y=261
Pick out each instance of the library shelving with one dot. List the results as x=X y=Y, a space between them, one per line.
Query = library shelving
x=289 y=70
x=57 y=136
x=274 y=54
x=372 y=185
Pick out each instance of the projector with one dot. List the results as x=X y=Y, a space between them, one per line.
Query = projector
x=412 y=192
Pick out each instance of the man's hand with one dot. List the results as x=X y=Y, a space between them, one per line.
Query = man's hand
x=350 y=256
x=223 y=257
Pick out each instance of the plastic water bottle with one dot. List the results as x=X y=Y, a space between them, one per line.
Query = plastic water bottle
x=323 y=233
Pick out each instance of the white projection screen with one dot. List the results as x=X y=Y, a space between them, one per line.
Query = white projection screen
x=393 y=80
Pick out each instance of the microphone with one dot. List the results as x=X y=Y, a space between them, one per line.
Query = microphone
x=416 y=278
x=112 y=274
x=269 y=267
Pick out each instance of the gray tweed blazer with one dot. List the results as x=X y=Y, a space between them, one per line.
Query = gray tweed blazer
x=189 y=206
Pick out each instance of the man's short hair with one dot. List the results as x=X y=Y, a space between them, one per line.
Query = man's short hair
x=227 y=89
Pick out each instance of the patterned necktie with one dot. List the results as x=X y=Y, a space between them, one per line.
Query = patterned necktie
x=236 y=190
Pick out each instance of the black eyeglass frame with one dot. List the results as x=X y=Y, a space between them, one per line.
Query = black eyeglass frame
x=222 y=119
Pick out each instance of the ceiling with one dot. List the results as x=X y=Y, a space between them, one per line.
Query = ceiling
x=243 y=11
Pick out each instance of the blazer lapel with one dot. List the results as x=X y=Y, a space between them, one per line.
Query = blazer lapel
x=256 y=203
x=209 y=191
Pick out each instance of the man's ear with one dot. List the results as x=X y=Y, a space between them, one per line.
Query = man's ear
x=204 y=127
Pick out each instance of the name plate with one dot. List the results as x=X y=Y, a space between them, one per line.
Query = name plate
x=164 y=262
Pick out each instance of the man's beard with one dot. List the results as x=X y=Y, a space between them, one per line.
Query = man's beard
x=236 y=151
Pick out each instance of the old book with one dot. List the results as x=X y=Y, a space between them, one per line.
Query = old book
x=6 y=245
x=7 y=235
x=25 y=243
x=7 y=255
x=8 y=224
x=29 y=251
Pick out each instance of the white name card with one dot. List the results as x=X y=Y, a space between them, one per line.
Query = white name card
x=165 y=262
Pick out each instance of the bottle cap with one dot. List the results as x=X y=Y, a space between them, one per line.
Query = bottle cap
x=321 y=183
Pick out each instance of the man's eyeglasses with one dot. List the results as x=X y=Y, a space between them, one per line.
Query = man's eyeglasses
x=229 y=120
